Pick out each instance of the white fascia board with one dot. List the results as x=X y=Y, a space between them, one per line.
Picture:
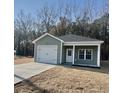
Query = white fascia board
x=39 y=38
x=55 y=37
x=84 y=43
x=81 y=44
x=46 y=35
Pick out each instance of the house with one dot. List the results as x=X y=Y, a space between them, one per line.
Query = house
x=73 y=49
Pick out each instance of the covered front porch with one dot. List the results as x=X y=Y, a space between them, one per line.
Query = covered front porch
x=81 y=54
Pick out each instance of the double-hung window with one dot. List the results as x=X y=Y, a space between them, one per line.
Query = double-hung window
x=81 y=54
x=85 y=54
x=89 y=54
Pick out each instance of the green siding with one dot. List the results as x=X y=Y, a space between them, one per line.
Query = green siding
x=48 y=40
x=64 y=53
x=81 y=61
x=86 y=62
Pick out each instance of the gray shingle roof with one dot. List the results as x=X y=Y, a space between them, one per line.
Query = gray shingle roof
x=76 y=38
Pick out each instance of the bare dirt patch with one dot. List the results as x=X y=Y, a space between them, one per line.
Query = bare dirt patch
x=22 y=60
x=66 y=80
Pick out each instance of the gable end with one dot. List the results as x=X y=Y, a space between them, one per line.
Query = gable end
x=34 y=41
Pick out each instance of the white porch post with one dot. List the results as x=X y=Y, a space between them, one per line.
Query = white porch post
x=98 y=56
x=35 y=52
x=73 y=53
x=61 y=54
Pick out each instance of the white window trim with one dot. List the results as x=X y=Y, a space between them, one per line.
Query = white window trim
x=91 y=54
x=85 y=54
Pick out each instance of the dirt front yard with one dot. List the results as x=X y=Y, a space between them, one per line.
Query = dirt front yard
x=67 y=79
x=22 y=60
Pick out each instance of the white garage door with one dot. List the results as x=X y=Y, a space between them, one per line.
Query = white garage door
x=47 y=53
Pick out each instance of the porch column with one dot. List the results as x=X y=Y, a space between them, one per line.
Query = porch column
x=73 y=53
x=61 y=54
x=98 y=56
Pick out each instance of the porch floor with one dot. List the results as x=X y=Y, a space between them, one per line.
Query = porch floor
x=104 y=67
x=67 y=63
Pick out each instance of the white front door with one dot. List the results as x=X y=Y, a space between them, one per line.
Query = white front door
x=47 y=53
x=69 y=55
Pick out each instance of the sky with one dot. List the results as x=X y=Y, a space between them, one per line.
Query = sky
x=32 y=6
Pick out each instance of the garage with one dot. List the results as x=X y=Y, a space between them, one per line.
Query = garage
x=47 y=54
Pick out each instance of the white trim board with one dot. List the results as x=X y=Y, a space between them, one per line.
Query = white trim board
x=73 y=54
x=80 y=44
x=61 y=53
x=98 y=55
x=46 y=35
x=85 y=42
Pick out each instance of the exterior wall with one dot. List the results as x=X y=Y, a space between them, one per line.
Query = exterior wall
x=48 y=40
x=81 y=61
x=64 y=53
x=86 y=62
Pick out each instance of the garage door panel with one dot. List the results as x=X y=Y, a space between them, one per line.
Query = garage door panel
x=47 y=53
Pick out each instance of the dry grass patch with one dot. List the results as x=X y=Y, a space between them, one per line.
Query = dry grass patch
x=65 y=80
x=22 y=60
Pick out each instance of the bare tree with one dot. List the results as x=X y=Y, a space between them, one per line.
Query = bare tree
x=47 y=17
x=23 y=25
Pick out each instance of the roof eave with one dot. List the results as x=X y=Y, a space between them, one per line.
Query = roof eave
x=34 y=41
x=84 y=41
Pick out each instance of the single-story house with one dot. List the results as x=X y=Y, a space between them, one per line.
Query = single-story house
x=73 y=49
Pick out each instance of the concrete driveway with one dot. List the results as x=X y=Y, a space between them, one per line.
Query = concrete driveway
x=25 y=71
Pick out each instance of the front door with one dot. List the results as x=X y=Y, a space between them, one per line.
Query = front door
x=69 y=55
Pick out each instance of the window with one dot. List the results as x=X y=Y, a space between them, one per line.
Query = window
x=81 y=53
x=85 y=54
x=69 y=52
x=88 y=54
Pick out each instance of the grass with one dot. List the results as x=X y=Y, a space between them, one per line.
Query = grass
x=67 y=79
x=22 y=60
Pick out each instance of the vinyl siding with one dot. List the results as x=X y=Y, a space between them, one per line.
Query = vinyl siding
x=86 y=62
x=48 y=40
x=81 y=61
x=64 y=52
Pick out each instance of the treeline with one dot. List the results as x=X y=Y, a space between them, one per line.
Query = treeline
x=58 y=21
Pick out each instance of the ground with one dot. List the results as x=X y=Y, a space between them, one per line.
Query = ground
x=22 y=60
x=25 y=71
x=67 y=79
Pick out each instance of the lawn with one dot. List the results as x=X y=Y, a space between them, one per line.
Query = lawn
x=67 y=79
x=22 y=60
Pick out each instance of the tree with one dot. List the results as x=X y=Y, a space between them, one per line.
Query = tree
x=47 y=18
x=23 y=26
x=61 y=20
